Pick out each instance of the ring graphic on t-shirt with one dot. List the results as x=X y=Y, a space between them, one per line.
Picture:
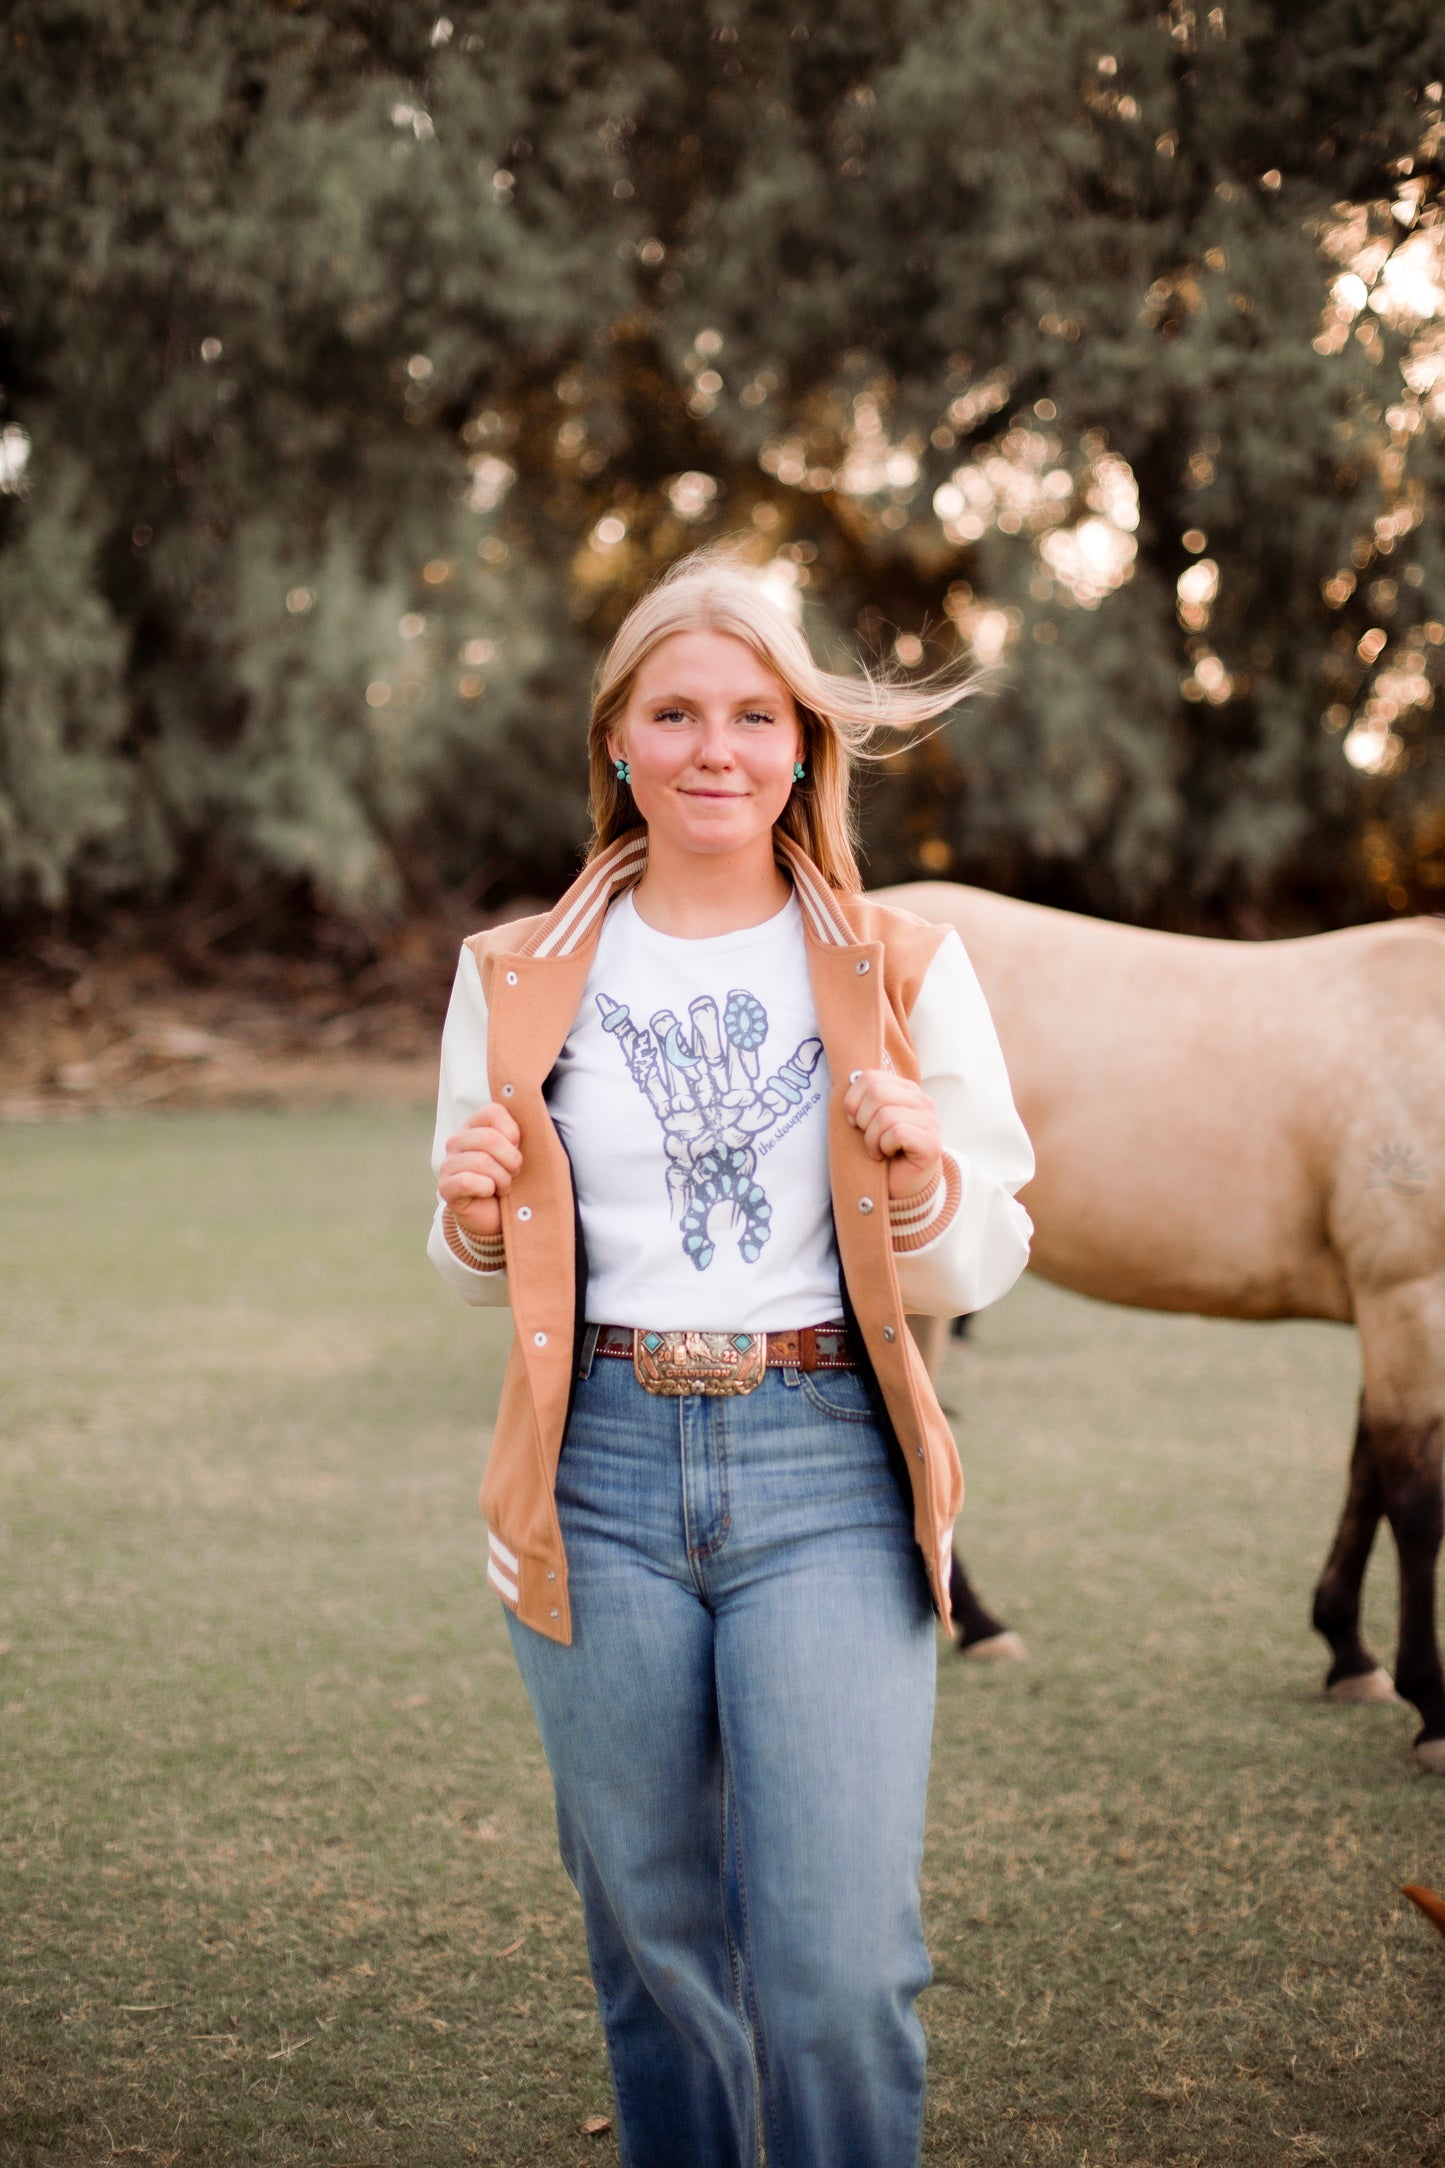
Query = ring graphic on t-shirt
x=703 y=1087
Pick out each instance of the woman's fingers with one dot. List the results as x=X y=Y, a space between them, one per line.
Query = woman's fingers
x=458 y=1183
x=491 y=1129
x=893 y=1134
x=481 y=1216
x=489 y=1154
x=495 y=1116
x=870 y=1088
x=860 y=1101
x=915 y=1144
x=482 y=1161
x=475 y=1174
x=894 y=1116
x=471 y=1190
x=483 y=1158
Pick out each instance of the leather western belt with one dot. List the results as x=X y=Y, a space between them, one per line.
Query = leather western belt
x=676 y=1363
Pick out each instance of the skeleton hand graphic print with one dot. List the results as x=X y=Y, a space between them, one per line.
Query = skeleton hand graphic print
x=706 y=1058
x=703 y=1087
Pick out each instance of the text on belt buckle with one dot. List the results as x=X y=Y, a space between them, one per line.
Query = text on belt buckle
x=676 y=1363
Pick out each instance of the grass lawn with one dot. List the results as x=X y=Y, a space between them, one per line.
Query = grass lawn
x=277 y=1879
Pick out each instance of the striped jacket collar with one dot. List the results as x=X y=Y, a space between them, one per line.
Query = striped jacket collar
x=573 y=923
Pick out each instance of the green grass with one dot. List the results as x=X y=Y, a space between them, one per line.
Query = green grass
x=267 y=1773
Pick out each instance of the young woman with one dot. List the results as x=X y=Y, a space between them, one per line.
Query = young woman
x=712 y=1127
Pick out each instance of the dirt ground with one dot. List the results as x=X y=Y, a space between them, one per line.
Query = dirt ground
x=132 y=1027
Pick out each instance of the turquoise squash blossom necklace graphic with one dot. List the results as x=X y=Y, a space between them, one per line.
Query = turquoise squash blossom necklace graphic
x=702 y=1084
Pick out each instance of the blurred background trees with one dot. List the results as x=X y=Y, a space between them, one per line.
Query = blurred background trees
x=361 y=364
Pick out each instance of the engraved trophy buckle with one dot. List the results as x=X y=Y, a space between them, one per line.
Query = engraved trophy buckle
x=721 y=1363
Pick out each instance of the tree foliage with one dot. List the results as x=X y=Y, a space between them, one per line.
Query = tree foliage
x=369 y=361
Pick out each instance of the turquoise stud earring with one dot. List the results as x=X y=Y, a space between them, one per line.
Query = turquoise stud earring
x=799 y=771
x=624 y=773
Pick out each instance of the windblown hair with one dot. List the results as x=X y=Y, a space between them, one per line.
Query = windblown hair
x=716 y=590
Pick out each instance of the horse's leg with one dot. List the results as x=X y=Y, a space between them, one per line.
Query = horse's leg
x=1410 y=1455
x=980 y=1635
x=931 y=1333
x=1402 y=1335
x=1354 y=1674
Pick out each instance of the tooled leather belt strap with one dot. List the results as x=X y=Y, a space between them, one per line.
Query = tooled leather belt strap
x=674 y=1363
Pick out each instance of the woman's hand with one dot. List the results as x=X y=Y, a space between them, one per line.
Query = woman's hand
x=481 y=1163
x=900 y=1124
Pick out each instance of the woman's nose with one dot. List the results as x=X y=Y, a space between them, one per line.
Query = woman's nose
x=715 y=748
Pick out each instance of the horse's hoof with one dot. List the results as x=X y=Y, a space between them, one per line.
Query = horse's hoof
x=1004 y=1648
x=1376 y=1685
x=1430 y=1754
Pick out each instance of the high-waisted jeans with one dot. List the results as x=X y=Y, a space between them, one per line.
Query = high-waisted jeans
x=738 y=1736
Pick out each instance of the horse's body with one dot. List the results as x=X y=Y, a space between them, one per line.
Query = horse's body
x=1251 y=1130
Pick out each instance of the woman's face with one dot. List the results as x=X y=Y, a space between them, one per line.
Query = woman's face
x=710 y=736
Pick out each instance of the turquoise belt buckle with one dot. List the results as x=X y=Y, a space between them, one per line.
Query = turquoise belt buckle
x=722 y=1364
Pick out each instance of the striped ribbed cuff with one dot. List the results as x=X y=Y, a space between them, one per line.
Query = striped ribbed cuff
x=917 y=1221
x=485 y=1253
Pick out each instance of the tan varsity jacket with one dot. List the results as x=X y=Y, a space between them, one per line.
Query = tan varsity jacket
x=889 y=990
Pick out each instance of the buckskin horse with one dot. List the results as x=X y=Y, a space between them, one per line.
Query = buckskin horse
x=1249 y=1130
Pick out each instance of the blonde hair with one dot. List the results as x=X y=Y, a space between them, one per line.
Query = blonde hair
x=717 y=590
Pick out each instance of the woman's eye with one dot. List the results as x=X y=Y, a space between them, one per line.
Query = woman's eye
x=669 y=715
x=757 y=715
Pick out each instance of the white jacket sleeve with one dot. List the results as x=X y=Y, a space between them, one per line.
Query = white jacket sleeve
x=984 y=1245
x=463 y=1090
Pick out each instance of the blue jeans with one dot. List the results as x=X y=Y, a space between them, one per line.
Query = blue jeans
x=738 y=1736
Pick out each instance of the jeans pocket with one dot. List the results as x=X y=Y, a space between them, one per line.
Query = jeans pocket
x=840 y=1394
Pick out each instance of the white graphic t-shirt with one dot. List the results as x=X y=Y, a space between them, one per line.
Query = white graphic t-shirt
x=692 y=1097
